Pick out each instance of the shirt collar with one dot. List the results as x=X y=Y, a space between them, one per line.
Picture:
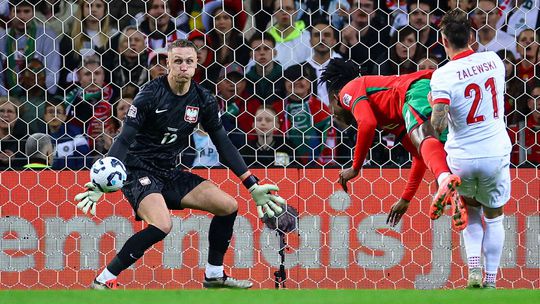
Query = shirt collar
x=463 y=54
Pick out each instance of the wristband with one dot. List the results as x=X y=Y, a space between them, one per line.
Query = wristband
x=250 y=181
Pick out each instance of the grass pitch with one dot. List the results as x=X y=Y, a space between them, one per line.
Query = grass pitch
x=311 y=296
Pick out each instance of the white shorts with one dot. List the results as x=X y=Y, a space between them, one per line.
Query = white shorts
x=485 y=179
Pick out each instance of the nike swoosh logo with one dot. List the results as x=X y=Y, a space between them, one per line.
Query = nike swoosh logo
x=160 y=111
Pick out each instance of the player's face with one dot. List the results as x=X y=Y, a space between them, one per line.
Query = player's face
x=182 y=63
x=263 y=52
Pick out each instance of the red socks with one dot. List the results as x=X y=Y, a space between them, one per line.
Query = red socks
x=432 y=151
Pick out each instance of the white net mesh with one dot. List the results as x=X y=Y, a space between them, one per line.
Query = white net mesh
x=70 y=69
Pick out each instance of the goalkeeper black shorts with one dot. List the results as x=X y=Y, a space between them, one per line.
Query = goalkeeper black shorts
x=141 y=183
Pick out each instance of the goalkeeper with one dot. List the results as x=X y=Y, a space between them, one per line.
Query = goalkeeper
x=398 y=105
x=156 y=130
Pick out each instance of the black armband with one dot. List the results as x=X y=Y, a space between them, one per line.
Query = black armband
x=250 y=181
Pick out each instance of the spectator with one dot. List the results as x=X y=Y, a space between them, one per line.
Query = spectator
x=27 y=38
x=40 y=151
x=532 y=132
x=488 y=36
x=419 y=18
x=207 y=71
x=290 y=34
x=368 y=27
x=262 y=13
x=403 y=55
x=157 y=63
x=269 y=147
x=126 y=12
x=32 y=80
x=88 y=103
x=131 y=64
x=515 y=107
x=305 y=119
x=236 y=103
x=528 y=49
x=71 y=145
x=332 y=12
x=12 y=132
x=266 y=74
x=158 y=26
x=90 y=34
x=121 y=108
x=323 y=40
x=56 y=15
x=465 y=5
x=428 y=63
x=206 y=153
x=519 y=15
x=224 y=28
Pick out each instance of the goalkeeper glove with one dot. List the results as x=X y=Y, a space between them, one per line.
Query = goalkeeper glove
x=263 y=198
x=89 y=198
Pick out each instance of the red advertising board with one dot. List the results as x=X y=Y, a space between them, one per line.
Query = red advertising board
x=342 y=242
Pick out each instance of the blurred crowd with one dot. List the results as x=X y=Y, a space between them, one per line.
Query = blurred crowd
x=70 y=69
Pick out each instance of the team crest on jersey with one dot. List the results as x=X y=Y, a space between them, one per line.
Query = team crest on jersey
x=347 y=100
x=192 y=113
x=145 y=181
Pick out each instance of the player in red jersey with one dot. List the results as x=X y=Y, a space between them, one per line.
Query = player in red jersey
x=399 y=105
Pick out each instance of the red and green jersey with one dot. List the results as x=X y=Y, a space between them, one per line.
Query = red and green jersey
x=377 y=101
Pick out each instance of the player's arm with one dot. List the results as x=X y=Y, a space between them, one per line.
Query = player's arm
x=230 y=156
x=439 y=98
x=367 y=124
x=134 y=119
x=416 y=174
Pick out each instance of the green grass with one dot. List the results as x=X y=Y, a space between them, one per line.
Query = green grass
x=311 y=296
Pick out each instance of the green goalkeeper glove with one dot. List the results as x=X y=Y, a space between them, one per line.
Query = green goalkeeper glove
x=264 y=199
x=89 y=198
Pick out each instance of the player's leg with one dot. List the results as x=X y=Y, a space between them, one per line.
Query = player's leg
x=493 y=193
x=473 y=236
x=416 y=112
x=192 y=191
x=153 y=210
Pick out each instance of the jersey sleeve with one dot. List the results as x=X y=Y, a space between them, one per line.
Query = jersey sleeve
x=416 y=174
x=366 y=130
x=211 y=120
x=141 y=106
x=440 y=92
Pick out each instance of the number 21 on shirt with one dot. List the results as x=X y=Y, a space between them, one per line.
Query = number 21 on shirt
x=476 y=91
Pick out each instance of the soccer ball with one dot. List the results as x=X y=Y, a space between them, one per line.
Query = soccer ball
x=108 y=174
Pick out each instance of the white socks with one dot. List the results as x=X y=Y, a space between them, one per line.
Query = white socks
x=493 y=245
x=213 y=271
x=441 y=177
x=105 y=275
x=473 y=235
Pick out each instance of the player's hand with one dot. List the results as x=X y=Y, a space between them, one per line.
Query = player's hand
x=89 y=198
x=345 y=176
x=264 y=199
x=396 y=212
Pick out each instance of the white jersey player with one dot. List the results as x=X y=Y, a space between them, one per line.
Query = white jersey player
x=468 y=95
